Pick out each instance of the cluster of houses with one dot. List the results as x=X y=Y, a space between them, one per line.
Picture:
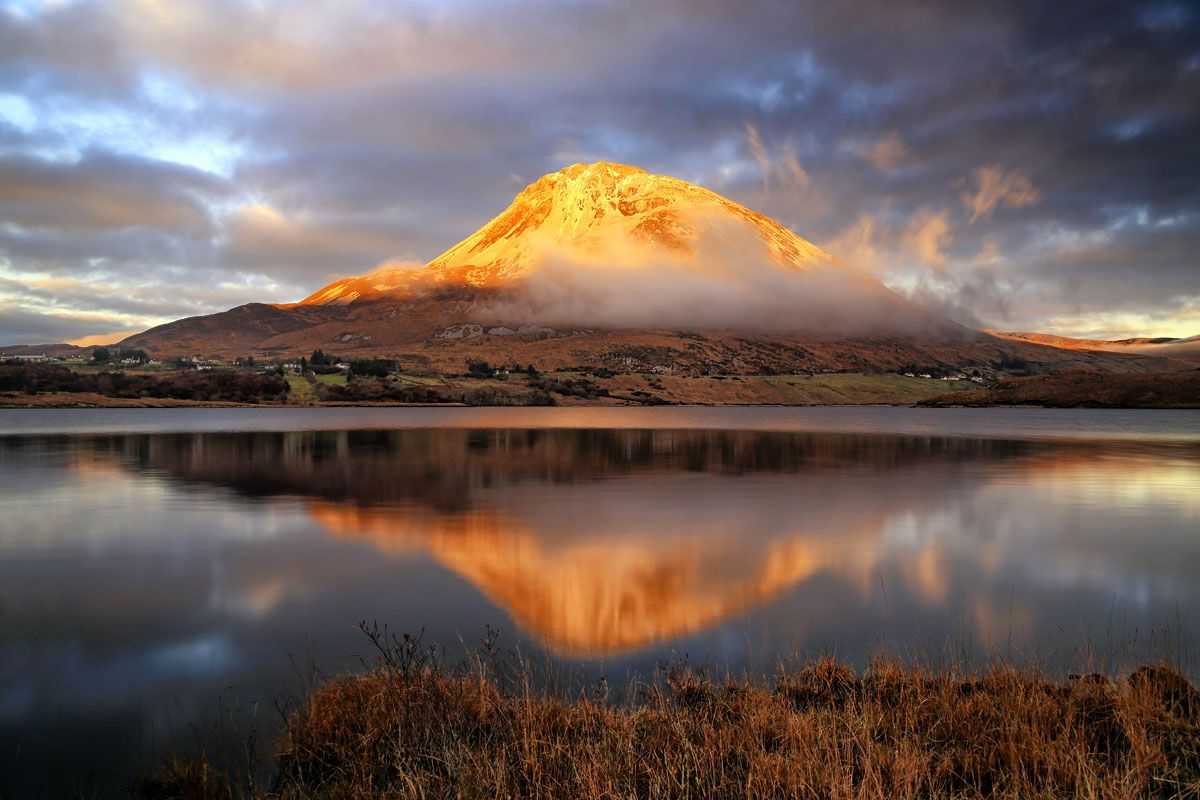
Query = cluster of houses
x=297 y=367
x=33 y=358
x=42 y=358
x=956 y=376
x=632 y=364
x=185 y=362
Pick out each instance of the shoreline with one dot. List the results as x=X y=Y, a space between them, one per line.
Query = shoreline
x=88 y=401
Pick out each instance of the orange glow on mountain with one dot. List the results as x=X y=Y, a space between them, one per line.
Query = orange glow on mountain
x=589 y=212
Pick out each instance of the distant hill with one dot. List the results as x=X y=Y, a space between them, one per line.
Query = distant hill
x=59 y=350
x=1187 y=349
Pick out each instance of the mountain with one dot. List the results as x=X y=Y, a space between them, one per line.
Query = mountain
x=582 y=211
x=607 y=265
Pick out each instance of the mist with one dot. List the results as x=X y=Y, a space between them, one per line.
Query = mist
x=729 y=282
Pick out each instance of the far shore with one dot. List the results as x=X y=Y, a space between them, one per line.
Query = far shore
x=384 y=384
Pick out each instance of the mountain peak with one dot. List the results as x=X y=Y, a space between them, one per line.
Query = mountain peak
x=587 y=211
x=584 y=207
x=596 y=169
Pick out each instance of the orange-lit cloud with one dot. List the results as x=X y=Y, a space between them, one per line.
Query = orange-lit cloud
x=887 y=153
x=103 y=338
x=995 y=187
x=927 y=236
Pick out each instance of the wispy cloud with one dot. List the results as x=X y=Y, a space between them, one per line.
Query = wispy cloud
x=995 y=187
x=927 y=236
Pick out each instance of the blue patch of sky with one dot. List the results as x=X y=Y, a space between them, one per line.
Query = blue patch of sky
x=26 y=9
x=163 y=92
x=1135 y=216
x=615 y=144
x=718 y=165
x=864 y=98
x=161 y=127
x=765 y=97
x=131 y=133
x=18 y=112
x=1165 y=17
x=1130 y=129
x=795 y=82
x=810 y=73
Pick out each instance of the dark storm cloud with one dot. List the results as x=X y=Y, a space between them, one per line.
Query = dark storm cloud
x=973 y=152
x=103 y=192
x=18 y=326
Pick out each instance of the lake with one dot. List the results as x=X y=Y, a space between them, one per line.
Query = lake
x=168 y=576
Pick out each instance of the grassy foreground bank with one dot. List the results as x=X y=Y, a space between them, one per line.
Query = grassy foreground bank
x=821 y=732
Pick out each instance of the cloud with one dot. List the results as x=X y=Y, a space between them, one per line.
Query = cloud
x=18 y=326
x=101 y=192
x=103 y=338
x=381 y=131
x=730 y=282
x=791 y=165
x=995 y=187
x=886 y=153
x=261 y=238
x=927 y=236
x=858 y=245
x=787 y=170
x=759 y=153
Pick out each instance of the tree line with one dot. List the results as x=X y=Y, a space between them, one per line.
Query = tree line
x=230 y=386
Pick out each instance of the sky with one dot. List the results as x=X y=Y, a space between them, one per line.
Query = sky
x=1021 y=165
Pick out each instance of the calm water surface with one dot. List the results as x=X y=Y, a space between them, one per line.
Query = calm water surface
x=166 y=576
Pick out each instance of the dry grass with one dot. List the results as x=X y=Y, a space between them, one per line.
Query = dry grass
x=821 y=732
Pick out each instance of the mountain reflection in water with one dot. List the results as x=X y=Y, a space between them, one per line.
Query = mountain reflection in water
x=601 y=542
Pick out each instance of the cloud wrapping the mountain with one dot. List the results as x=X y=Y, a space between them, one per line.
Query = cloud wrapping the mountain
x=730 y=282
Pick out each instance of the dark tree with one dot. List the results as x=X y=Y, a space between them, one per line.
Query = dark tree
x=370 y=367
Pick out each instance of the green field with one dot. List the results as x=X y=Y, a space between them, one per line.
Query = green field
x=854 y=387
x=848 y=388
x=300 y=391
